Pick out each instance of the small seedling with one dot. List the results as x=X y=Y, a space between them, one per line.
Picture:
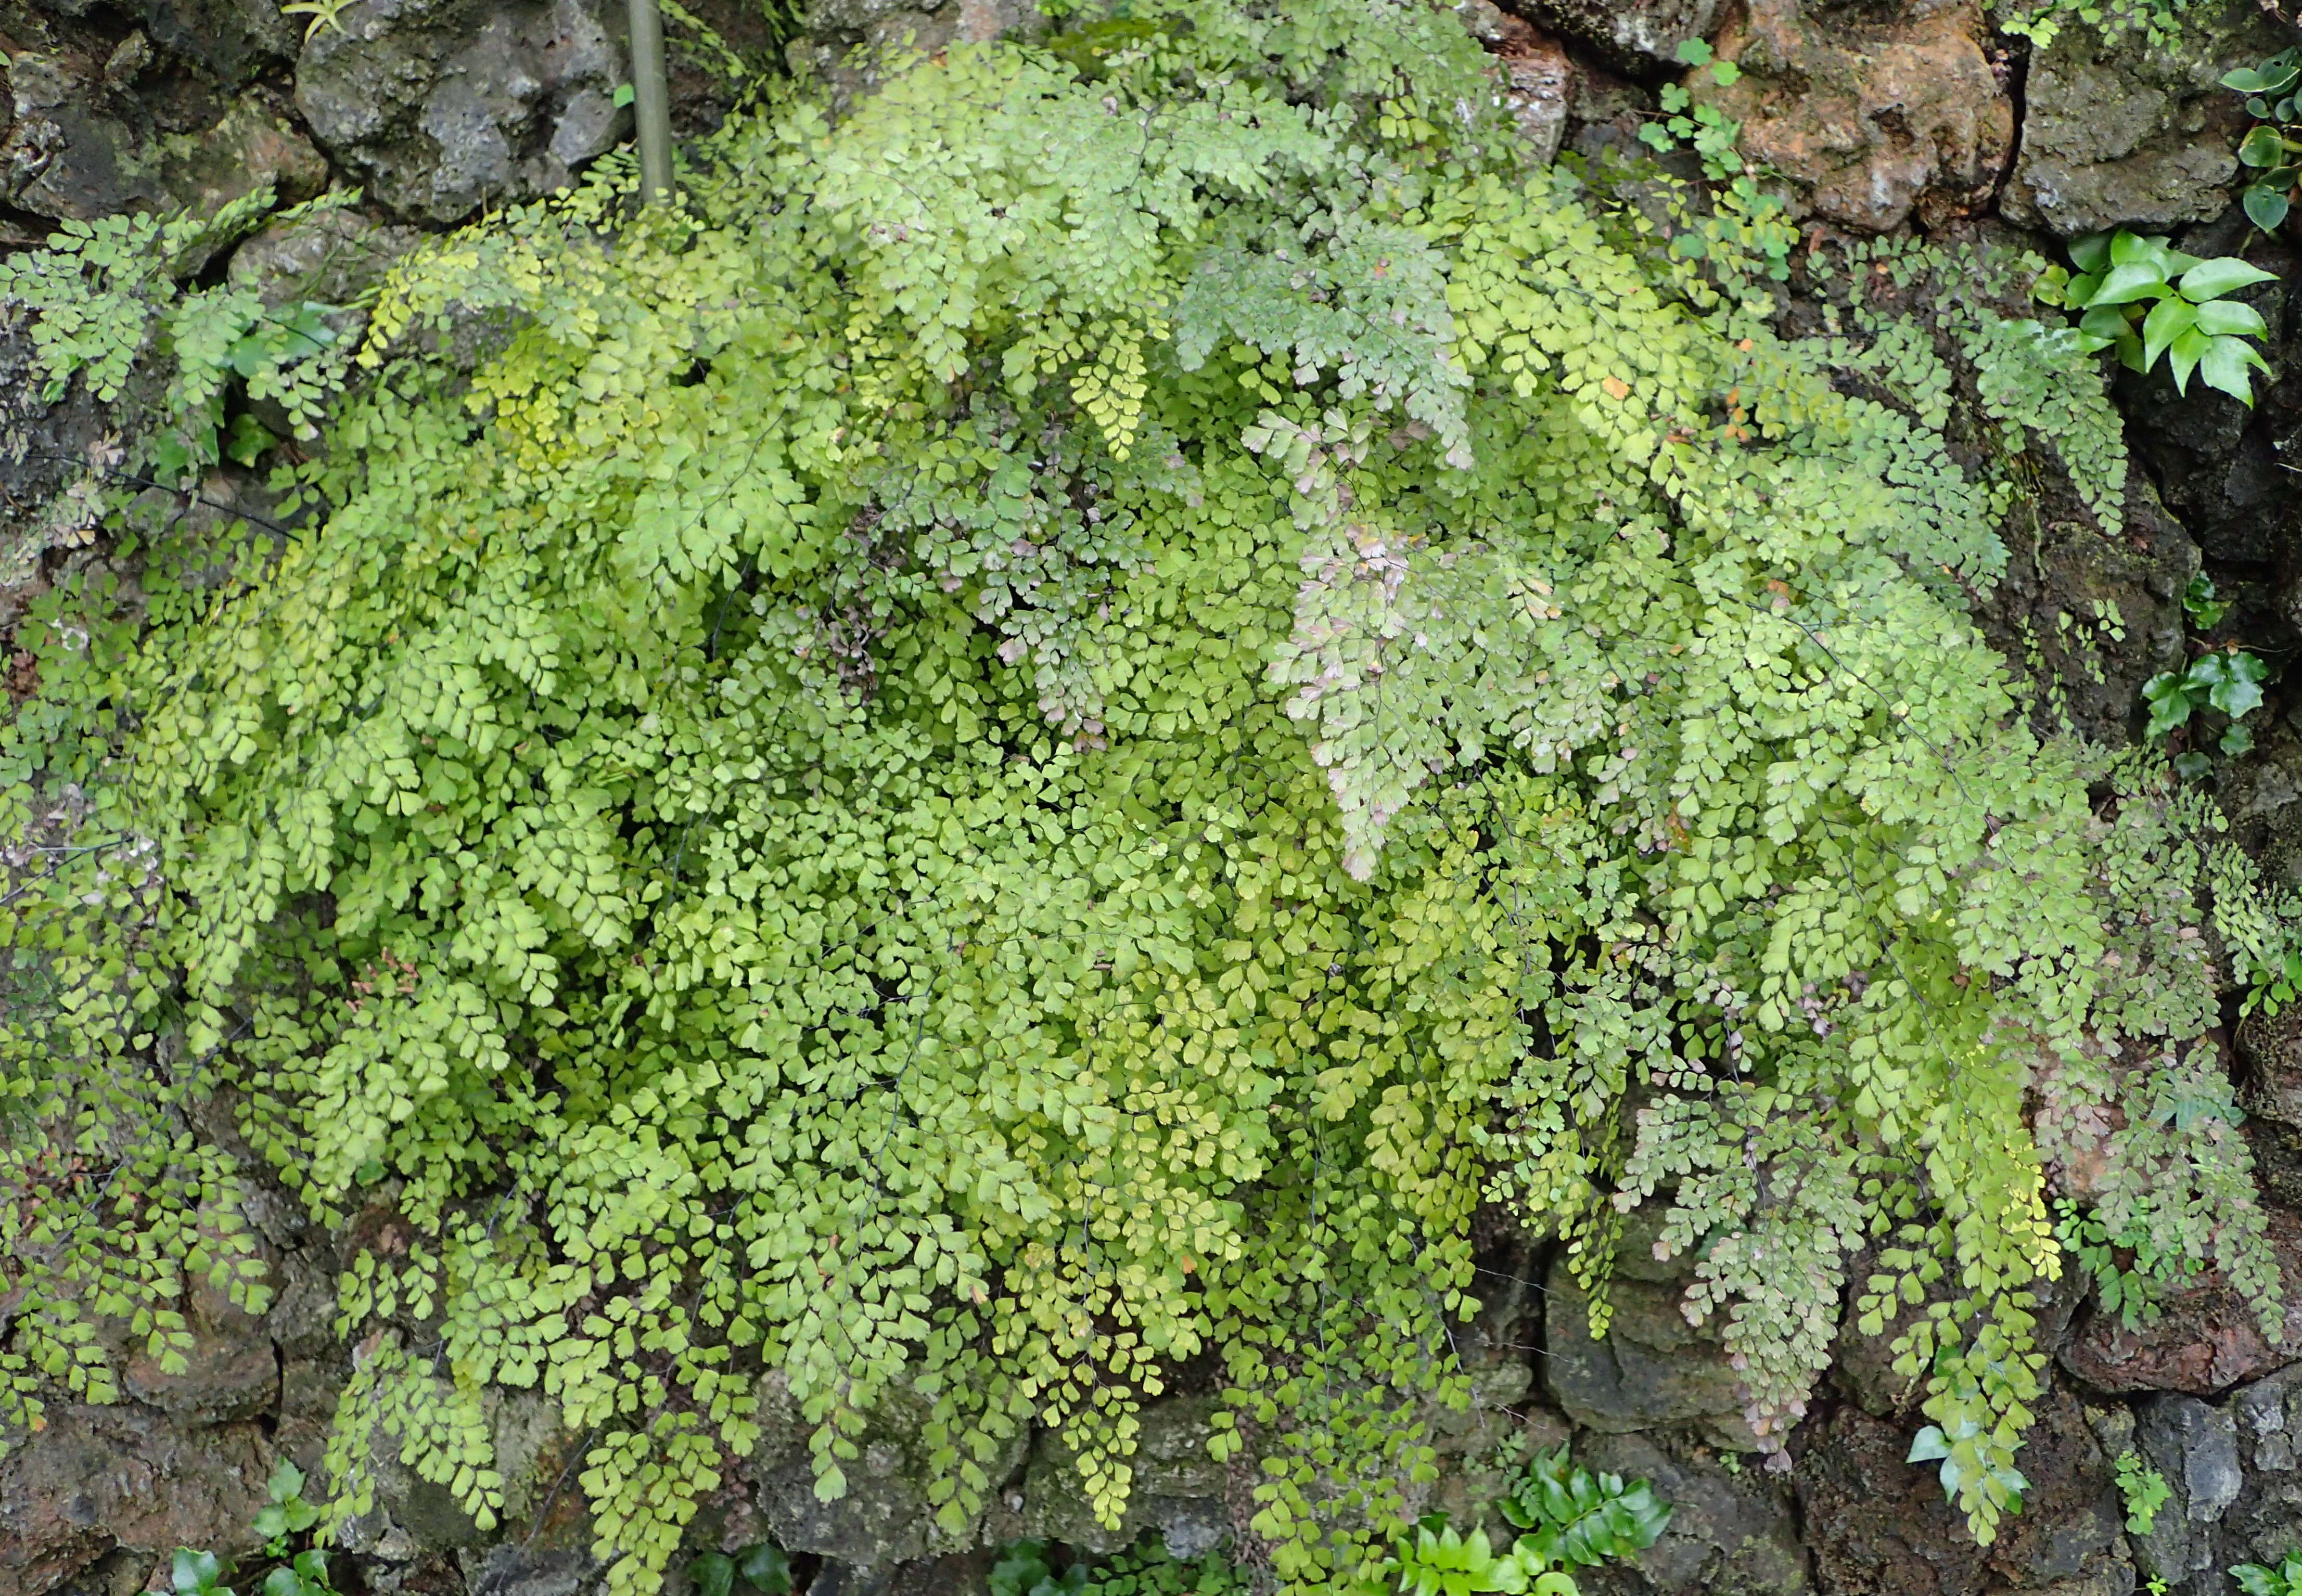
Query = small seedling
x=286 y=1513
x=2228 y=680
x=763 y=1569
x=1023 y=1570
x=2143 y=1490
x=1710 y=132
x=2202 y=605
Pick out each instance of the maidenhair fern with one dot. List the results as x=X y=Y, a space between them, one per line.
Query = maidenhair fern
x=1049 y=732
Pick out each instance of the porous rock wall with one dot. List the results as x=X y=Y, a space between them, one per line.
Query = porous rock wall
x=1883 y=115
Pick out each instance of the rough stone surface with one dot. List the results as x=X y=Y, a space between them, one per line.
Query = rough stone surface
x=848 y=42
x=78 y=147
x=1538 y=76
x=1636 y=35
x=2056 y=588
x=231 y=1370
x=1877 y=1526
x=2119 y=132
x=332 y=256
x=1870 y=118
x=1653 y=1367
x=1179 y=1489
x=441 y=106
x=2207 y=1339
x=2195 y=1447
x=886 y=1517
x=127 y=1476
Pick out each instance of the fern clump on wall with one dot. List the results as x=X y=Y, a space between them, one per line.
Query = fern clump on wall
x=1048 y=731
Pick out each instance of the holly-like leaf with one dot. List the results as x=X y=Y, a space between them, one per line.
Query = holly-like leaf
x=2210 y=280
x=2263 y=146
x=2168 y=319
x=2182 y=358
x=2233 y=681
x=2135 y=280
x=2221 y=318
x=2225 y=364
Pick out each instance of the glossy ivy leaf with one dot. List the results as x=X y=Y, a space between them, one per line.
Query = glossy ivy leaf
x=2266 y=206
x=306 y=1575
x=2167 y=320
x=2227 y=364
x=2233 y=681
x=765 y=1568
x=2091 y=253
x=2229 y=318
x=2150 y=250
x=2134 y=309
x=2263 y=146
x=2202 y=603
x=197 y=1573
x=2135 y=280
x=714 y=1574
x=2273 y=76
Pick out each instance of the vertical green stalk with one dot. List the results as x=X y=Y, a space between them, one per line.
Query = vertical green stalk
x=651 y=101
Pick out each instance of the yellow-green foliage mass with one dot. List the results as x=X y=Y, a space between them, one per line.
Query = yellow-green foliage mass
x=1049 y=730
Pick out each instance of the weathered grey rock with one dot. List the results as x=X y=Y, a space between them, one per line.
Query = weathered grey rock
x=1878 y=1526
x=440 y=107
x=2265 y=1523
x=332 y=256
x=515 y=1568
x=1178 y=1488
x=1870 y=116
x=848 y=42
x=231 y=1371
x=129 y=1476
x=2129 y=133
x=1634 y=36
x=1538 y=77
x=2195 y=1447
x=2069 y=1536
x=533 y=1452
x=2066 y=573
x=960 y=1575
x=79 y=147
x=231 y=40
x=2204 y=1341
x=1653 y=1367
x=886 y=1517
